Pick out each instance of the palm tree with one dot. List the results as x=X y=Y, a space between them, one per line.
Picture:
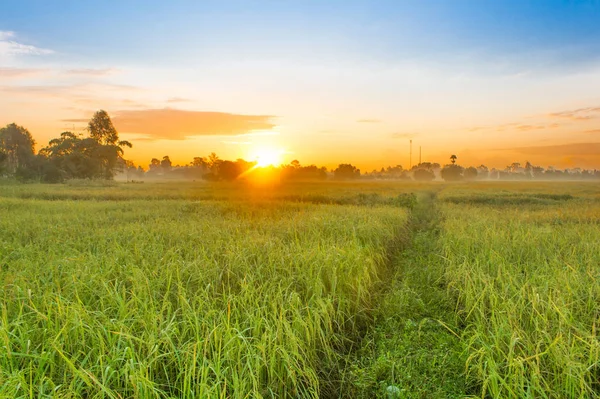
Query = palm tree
x=453 y=158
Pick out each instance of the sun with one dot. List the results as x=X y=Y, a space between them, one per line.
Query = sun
x=268 y=157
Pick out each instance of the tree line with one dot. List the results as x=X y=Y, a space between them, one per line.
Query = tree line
x=99 y=155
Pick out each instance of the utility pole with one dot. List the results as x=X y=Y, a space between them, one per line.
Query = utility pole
x=410 y=158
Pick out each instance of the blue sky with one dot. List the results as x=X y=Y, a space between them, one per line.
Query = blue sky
x=484 y=76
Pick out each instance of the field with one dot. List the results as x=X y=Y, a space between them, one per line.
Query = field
x=331 y=290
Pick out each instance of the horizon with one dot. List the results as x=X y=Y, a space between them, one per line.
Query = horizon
x=352 y=82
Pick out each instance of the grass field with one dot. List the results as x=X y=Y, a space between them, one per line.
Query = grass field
x=333 y=290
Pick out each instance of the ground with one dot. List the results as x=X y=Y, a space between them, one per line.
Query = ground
x=329 y=289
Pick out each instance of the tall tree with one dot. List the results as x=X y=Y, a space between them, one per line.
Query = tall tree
x=453 y=159
x=102 y=130
x=17 y=145
x=110 y=152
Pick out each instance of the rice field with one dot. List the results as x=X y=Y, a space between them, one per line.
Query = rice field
x=305 y=290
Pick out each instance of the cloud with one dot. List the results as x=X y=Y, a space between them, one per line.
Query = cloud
x=5 y=35
x=173 y=124
x=15 y=73
x=10 y=47
x=562 y=150
x=525 y=128
x=178 y=100
x=403 y=135
x=593 y=131
x=514 y=126
x=368 y=121
x=577 y=114
x=91 y=71
x=86 y=94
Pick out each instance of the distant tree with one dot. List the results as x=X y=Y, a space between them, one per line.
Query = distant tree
x=453 y=158
x=166 y=164
x=452 y=172
x=73 y=156
x=470 y=173
x=423 y=174
x=3 y=158
x=295 y=171
x=514 y=167
x=346 y=171
x=213 y=162
x=16 y=147
x=199 y=162
x=229 y=170
x=154 y=164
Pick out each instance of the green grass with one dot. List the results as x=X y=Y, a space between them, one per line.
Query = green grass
x=526 y=282
x=332 y=290
x=178 y=298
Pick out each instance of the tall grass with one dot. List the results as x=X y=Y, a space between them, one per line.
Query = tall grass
x=526 y=280
x=182 y=299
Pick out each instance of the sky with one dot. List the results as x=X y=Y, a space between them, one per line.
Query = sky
x=323 y=82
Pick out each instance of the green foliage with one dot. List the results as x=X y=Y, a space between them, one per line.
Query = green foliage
x=338 y=289
x=178 y=298
x=526 y=283
x=16 y=147
x=102 y=130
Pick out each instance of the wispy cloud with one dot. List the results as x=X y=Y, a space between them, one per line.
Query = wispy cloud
x=91 y=72
x=16 y=73
x=368 y=121
x=562 y=150
x=525 y=128
x=515 y=126
x=593 y=131
x=577 y=114
x=173 y=124
x=9 y=46
x=178 y=100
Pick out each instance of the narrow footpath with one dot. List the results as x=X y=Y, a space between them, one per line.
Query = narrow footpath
x=413 y=349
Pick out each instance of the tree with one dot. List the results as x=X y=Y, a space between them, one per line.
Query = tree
x=471 y=173
x=16 y=147
x=423 y=174
x=346 y=171
x=3 y=158
x=453 y=159
x=229 y=170
x=73 y=156
x=452 y=172
x=154 y=164
x=166 y=164
x=213 y=162
x=110 y=152
x=199 y=162
x=102 y=130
